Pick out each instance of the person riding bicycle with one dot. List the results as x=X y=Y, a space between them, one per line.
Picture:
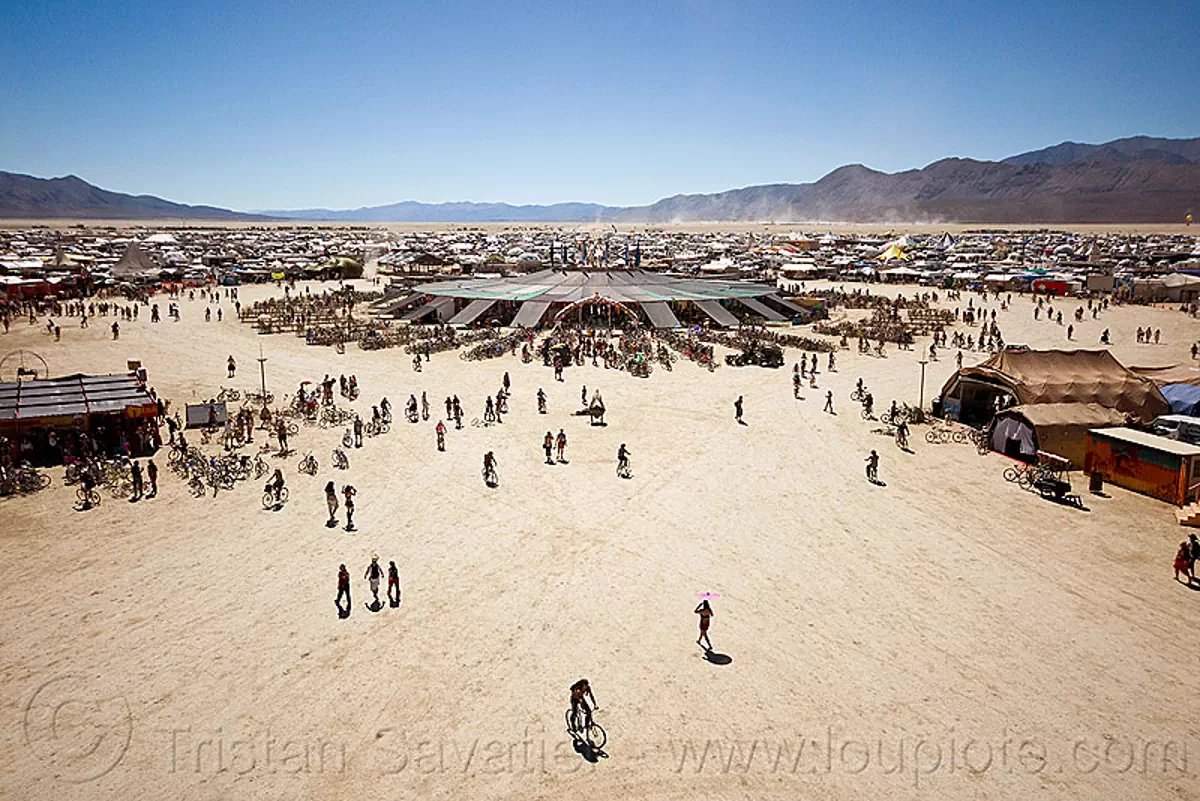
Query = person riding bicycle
x=622 y=458
x=901 y=433
x=275 y=485
x=868 y=403
x=580 y=692
x=386 y=408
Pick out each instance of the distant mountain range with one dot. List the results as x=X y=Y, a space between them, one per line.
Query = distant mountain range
x=1135 y=180
x=412 y=211
x=26 y=197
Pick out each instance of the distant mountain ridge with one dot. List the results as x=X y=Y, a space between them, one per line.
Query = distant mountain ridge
x=27 y=197
x=412 y=211
x=1119 y=151
x=1138 y=179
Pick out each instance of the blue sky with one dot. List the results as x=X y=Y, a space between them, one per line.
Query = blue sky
x=255 y=105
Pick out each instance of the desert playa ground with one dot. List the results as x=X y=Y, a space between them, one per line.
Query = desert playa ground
x=944 y=636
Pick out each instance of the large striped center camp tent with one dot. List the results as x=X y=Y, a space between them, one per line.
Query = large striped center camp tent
x=657 y=299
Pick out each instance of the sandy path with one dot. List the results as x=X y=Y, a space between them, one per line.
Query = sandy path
x=947 y=612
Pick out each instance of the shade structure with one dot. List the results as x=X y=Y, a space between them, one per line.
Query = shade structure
x=442 y=306
x=716 y=311
x=760 y=308
x=472 y=312
x=629 y=288
x=530 y=313
x=660 y=315
x=56 y=400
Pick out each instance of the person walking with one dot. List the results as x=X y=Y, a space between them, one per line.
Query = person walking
x=873 y=467
x=358 y=431
x=152 y=475
x=1184 y=562
x=561 y=442
x=135 y=470
x=424 y=407
x=393 y=590
x=343 y=585
x=441 y=436
x=331 y=502
x=373 y=575
x=348 y=492
x=281 y=435
x=704 y=610
x=737 y=411
x=583 y=392
x=548 y=447
x=829 y=402
x=232 y=365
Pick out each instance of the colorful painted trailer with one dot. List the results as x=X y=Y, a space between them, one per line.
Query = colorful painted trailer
x=1147 y=463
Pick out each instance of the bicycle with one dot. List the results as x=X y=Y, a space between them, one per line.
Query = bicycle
x=308 y=464
x=88 y=497
x=490 y=477
x=270 y=501
x=348 y=438
x=624 y=470
x=592 y=733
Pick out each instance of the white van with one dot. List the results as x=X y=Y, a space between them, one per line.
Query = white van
x=1178 y=426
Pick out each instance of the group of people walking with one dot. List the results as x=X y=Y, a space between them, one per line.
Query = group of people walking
x=374 y=576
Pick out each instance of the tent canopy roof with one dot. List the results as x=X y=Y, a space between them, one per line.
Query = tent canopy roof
x=1069 y=376
x=1066 y=414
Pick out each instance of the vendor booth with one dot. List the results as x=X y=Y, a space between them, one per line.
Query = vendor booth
x=1147 y=463
x=47 y=421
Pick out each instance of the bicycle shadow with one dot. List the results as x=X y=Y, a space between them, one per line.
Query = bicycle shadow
x=588 y=752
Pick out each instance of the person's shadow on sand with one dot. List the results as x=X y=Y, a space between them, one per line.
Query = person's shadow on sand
x=343 y=611
x=877 y=482
x=374 y=606
x=716 y=657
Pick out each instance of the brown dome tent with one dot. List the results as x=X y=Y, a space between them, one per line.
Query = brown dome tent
x=1020 y=376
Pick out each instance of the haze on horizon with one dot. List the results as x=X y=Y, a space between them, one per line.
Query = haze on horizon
x=245 y=107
